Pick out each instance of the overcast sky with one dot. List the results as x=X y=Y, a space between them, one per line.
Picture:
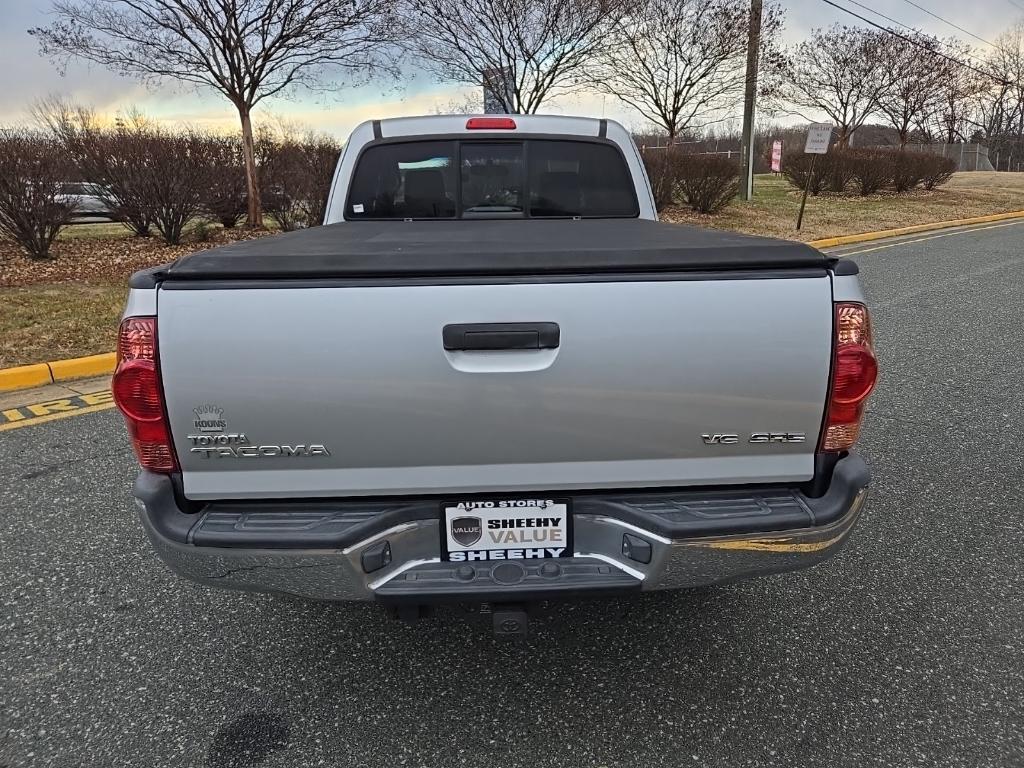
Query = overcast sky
x=27 y=76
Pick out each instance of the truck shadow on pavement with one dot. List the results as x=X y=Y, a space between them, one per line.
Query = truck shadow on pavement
x=380 y=681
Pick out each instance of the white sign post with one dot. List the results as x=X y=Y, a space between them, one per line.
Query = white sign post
x=818 y=137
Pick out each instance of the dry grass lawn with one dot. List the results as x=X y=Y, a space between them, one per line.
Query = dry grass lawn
x=70 y=306
x=774 y=208
x=53 y=321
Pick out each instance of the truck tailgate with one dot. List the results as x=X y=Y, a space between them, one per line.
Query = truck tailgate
x=646 y=373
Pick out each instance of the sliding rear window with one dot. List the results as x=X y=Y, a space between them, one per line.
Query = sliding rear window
x=534 y=178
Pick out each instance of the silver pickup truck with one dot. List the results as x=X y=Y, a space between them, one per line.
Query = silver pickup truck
x=493 y=377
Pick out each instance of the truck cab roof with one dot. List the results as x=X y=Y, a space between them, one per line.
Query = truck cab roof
x=455 y=124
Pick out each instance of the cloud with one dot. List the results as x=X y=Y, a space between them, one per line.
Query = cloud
x=29 y=76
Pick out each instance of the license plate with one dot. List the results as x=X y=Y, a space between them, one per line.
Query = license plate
x=506 y=529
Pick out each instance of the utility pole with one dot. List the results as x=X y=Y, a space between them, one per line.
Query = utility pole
x=750 y=101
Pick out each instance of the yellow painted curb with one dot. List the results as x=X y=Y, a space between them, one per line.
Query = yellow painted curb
x=24 y=376
x=80 y=367
x=832 y=242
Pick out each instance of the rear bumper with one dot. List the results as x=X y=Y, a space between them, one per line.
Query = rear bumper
x=320 y=549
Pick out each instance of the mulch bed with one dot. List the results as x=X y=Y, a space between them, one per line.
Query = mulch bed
x=102 y=258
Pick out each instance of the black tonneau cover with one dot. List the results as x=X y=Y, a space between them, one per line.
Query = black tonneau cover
x=394 y=249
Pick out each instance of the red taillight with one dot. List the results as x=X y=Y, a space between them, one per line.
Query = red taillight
x=854 y=372
x=137 y=392
x=490 y=124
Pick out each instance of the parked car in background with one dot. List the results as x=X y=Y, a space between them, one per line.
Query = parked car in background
x=87 y=200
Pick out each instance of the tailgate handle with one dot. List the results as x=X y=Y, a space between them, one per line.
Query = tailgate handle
x=485 y=336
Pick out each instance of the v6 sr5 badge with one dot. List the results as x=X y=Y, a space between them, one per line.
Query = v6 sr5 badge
x=731 y=438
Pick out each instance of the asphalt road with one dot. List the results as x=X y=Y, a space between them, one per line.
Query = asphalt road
x=906 y=650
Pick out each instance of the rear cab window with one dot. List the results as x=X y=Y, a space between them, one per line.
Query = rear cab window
x=491 y=178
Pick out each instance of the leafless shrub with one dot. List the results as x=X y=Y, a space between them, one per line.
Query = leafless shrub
x=909 y=170
x=939 y=172
x=320 y=157
x=32 y=169
x=296 y=173
x=872 y=170
x=796 y=167
x=920 y=169
x=869 y=170
x=659 y=165
x=149 y=176
x=707 y=183
x=840 y=171
x=832 y=172
x=226 y=197
x=178 y=171
x=114 y=159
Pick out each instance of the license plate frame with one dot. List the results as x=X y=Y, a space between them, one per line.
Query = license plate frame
x=518 y=509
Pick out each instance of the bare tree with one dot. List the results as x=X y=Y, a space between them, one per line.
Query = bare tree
x=543 y=45
x=959 y=89
x=841 y=72
x=919 y=75
x=246 y=50
x=1007 y=60
x=466 y=104
x=678 y=62
x=999 y=107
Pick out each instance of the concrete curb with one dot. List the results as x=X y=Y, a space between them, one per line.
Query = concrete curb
x=833 y=242
x=25 y=376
